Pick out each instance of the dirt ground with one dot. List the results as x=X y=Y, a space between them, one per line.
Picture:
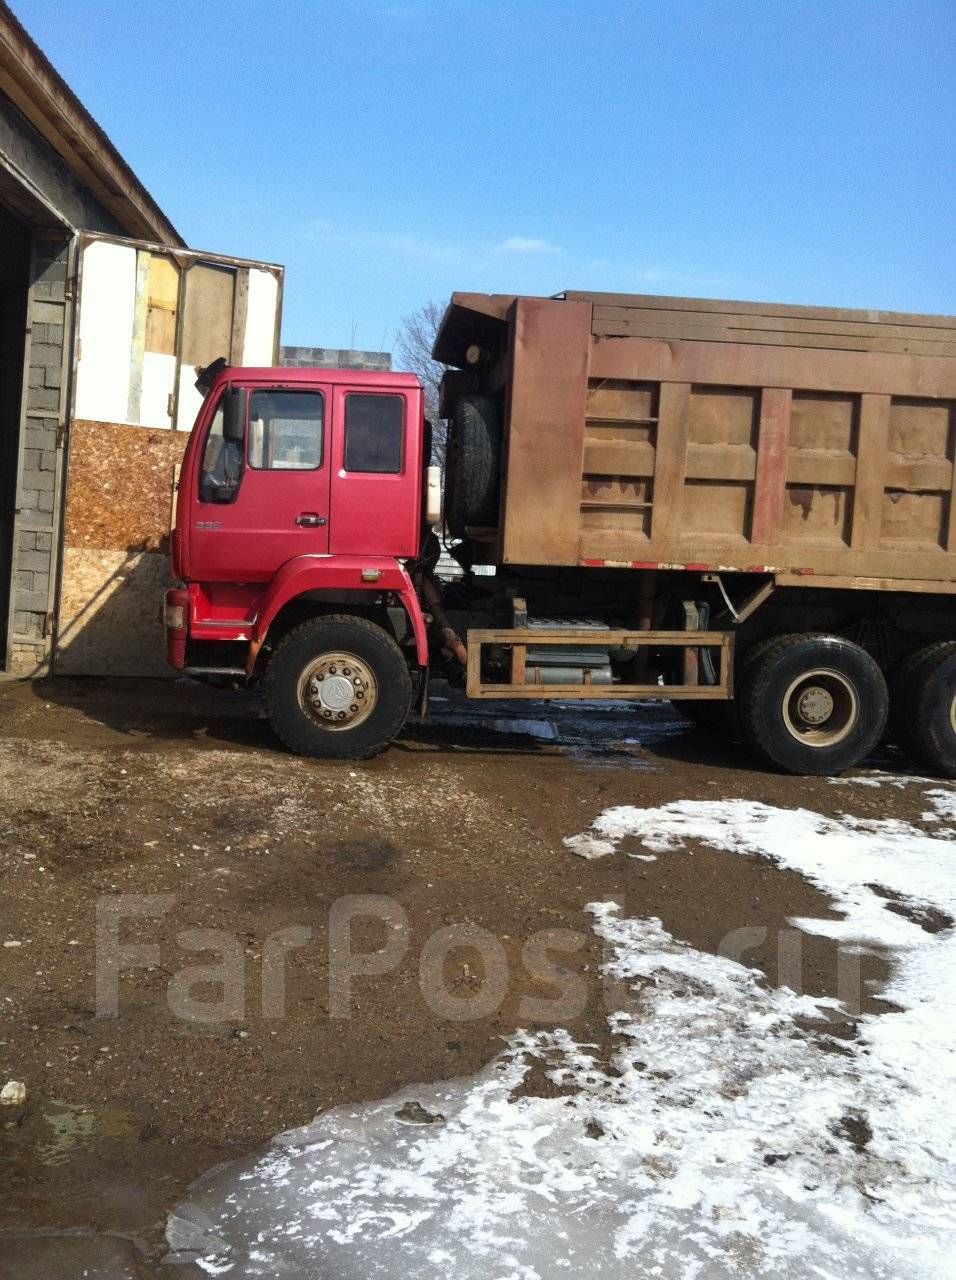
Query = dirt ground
x=167 y=788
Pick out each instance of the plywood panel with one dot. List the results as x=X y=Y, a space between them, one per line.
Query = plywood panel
x=119 y=486
x=207 y=313
x=116 y=533
x=109 y=613
x=163 y=285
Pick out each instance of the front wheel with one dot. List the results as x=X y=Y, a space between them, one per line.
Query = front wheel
x=813 y=704
x=337 y=687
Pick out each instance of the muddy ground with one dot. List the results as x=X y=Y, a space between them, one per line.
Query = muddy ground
x=114 y=788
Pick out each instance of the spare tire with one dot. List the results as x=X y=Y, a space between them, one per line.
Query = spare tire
x=473 y=476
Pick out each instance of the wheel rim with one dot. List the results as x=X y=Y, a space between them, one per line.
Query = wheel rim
x=952 y=714
x=338 y=691
x=821 y=708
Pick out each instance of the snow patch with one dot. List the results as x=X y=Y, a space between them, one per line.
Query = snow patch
x=715 y=1138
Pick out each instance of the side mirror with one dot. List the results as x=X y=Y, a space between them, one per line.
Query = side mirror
x=234 y=415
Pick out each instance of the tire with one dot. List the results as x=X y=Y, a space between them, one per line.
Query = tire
x=924 y=707
x=306 y=691
x=813 y=704
x=474 y=466
x=900 y=721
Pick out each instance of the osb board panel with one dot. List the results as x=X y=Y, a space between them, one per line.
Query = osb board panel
x=120 y=484
x=109 y=613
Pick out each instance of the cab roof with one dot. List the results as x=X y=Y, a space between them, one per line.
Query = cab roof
x=289 y=376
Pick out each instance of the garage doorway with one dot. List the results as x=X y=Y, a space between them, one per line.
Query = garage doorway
x=15 y=238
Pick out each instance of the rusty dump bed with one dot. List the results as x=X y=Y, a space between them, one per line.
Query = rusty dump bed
x=705 y=434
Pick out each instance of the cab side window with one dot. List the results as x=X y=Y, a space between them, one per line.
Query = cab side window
x=374 y=430
x=286 y=430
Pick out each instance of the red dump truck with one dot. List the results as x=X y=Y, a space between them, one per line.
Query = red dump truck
x=749 y=509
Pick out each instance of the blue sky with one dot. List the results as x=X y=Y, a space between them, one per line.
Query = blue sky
x=388 y=153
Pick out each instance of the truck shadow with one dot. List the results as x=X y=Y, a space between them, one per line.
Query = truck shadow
x=140 y=713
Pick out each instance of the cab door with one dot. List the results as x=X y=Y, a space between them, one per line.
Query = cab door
x=263 y=498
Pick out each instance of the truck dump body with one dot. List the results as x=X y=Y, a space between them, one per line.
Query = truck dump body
x=648 y=432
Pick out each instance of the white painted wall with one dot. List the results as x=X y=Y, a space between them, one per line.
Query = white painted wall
x=259 y=346
x=159 y=382
x=106 y=331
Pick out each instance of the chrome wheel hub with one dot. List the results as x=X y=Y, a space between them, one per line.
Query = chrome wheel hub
x=338 y=690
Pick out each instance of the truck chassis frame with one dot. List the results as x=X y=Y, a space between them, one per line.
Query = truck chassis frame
x=519 y=640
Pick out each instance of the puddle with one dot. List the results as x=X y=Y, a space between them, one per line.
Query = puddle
x=70 y=1126
x=69 y=1255
x=593 y=734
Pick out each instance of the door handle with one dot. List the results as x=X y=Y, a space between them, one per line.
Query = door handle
x=309 y=520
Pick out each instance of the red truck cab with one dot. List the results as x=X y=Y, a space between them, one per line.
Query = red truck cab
x=301 y=491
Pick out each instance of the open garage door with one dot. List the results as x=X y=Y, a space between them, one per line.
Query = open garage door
x=146 y=316
x=14 y=278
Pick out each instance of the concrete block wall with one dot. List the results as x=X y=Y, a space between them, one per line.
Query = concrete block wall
x=336 y=358
x=39 y=482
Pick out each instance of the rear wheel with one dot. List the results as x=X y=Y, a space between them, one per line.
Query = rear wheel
x=337 y=687
x=924 y=707
x=813 y=704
